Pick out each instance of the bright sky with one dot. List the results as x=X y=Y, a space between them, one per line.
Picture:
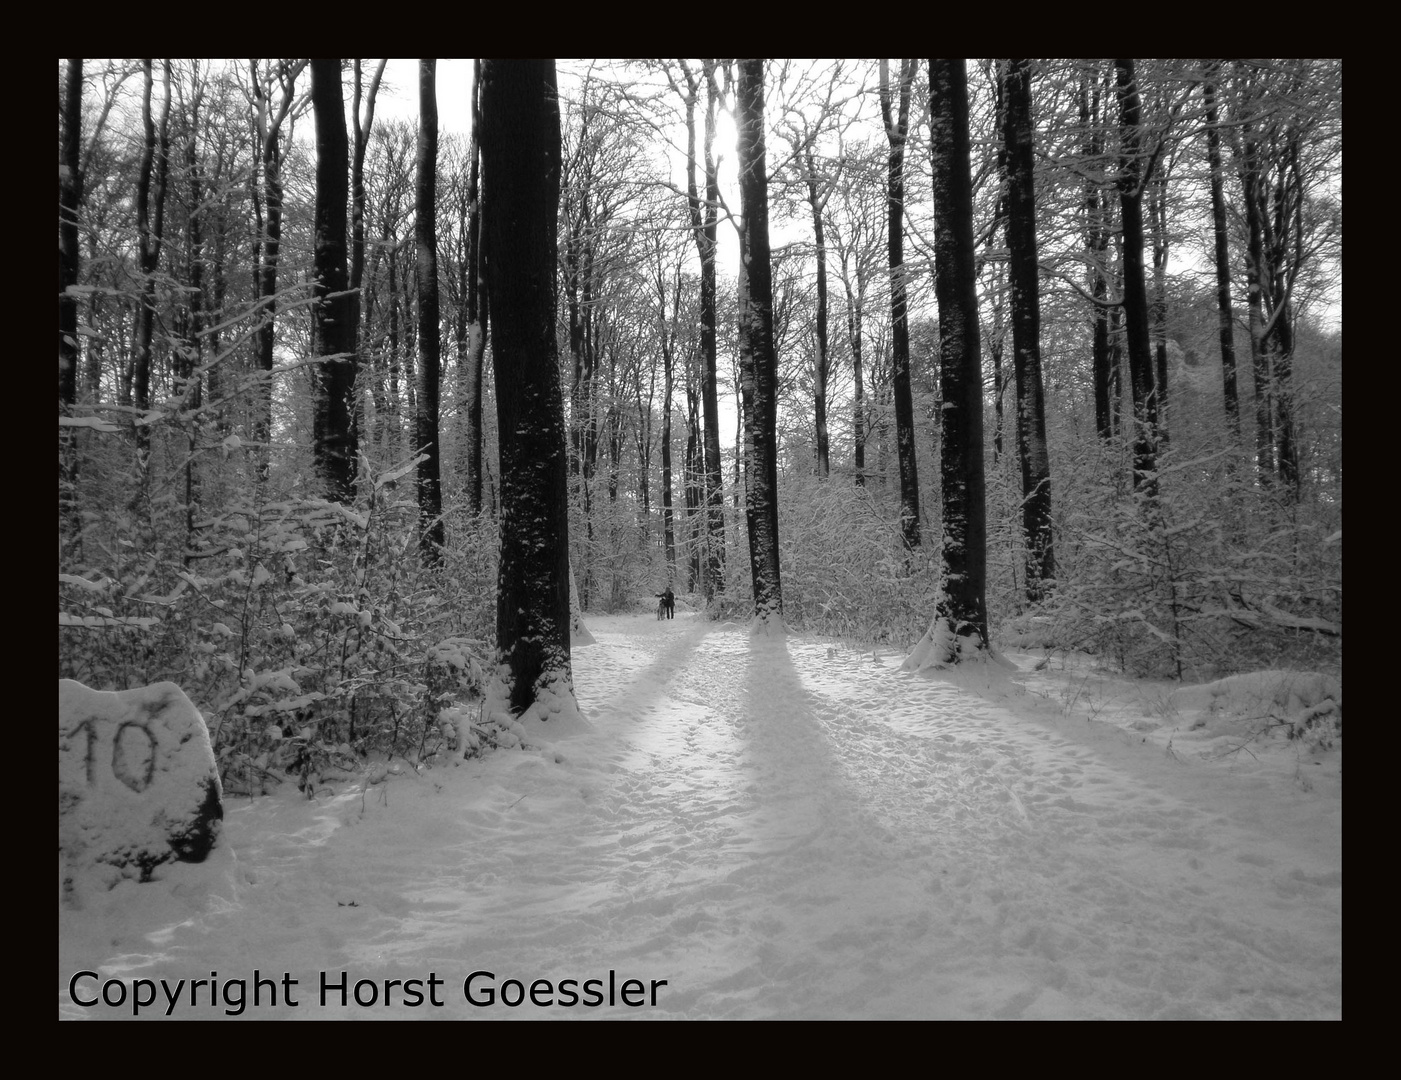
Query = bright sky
x=398 y=96
x=398 y=100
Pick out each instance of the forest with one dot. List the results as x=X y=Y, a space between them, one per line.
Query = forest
x=360 y=419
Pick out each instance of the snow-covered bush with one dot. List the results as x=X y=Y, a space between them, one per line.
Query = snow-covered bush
x=1214 y=576
x=308 y=633
x=846 y=570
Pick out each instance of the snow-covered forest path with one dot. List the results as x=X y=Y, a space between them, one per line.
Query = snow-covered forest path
x=794 y=829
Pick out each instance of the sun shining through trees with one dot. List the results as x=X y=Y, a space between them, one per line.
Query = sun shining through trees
x=1228 y=394
x=977 y=425
x=380 y=379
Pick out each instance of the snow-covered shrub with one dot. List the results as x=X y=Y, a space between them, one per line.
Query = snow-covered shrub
x=307 y=632
x=1306 y=706
x=846 y=570
x=1214 y=576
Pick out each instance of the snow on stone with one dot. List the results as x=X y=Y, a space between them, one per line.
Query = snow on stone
x=137 y=786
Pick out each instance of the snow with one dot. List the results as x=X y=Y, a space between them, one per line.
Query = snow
x=772 y=827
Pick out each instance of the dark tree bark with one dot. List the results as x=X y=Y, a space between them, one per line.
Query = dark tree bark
x=333 y=436
x=959 y=628
x=855 y=311
x=70 y=197
x=667 y=330
x=823 y=364
x=1115 y=334
x=150 y=227
x=1254 y=284
x=1157 y=218
x=363 y=126
x=1288 y=234
x=704 y=218
x=1274 y=179
x=521 y=164
x=474 y=312
x=1226 y=316
x=758 y=357
x=1026 y=332
x=897 y=126
x=269 y=118
x=430 y=492
x=191 y=311
x=1097 y=212
x=996 y=344
x=1131 y=185
x=695 y=476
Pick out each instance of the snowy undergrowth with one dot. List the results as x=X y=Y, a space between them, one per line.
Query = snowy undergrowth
x=785 y=828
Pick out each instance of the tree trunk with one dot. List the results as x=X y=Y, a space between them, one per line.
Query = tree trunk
x=758 y=357
x=476 y=308
x=996 y=345
x=1255 y=274
x=897 y=127
x=704 y=218
x=822 y=367
x=521 y=164
x=1289 y=215
x=430 y=493
x=357 y=189
x=854 y=311
x=333 y=436
x=70 y=197
x=695 y=478
x=1225 y=315
x=1131 y=184
x=959 y=628
x=268 y=128
x=1026 y=333
x=668 y=339
x=1157 y=217
x=150 y=227
x=190 y=318
x=1097 y=245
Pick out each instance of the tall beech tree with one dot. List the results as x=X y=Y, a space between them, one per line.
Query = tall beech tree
x=959 y=628
x=803 y=125
x=273 y=97
x=897 y=128
x=822 y=362
x=1136 y=317
x=1287 y=129
x=150 y=228
x=362 y=121
x=855 y=230
x=237 y=248
x=430 y=492
x=1221 y=249
x=521 y=165
x=70 y=195
x=757 y=355
x=472 y=320
x=1103 y=370
x=333 y=314
x=1024 y=276
x=704 y=218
